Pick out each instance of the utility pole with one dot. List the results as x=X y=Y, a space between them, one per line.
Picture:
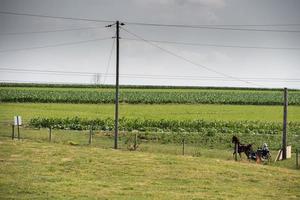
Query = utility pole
x=117 y=83
x=117 y=87
x=285 y=105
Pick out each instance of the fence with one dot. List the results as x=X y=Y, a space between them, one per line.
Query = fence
x=190 y=144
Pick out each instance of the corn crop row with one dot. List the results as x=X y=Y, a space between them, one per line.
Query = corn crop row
x=145 y=96
x=144 y=125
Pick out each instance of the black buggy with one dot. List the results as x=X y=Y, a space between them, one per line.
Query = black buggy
x=262 y=154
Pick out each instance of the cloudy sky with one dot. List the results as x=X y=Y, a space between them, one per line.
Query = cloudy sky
x=54 y=50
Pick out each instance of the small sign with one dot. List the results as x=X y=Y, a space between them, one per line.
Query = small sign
x=17 y=121
x=288 y=153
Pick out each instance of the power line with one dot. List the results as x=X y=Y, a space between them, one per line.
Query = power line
x=212 y=78
x=54 y=45
x=162 y=78
x=38 y=82
x=217 y=45
x=216 y=27
x=51 y=31
x=212 y=27
x=189 y=61
x=109 y=60
x=202 y=77
x=199 y=79
x=55 y=72
x=54 y=17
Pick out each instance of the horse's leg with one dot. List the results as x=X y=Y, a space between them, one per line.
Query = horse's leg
x=258 y=159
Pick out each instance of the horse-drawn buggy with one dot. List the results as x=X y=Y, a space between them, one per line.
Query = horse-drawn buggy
x=261 y=154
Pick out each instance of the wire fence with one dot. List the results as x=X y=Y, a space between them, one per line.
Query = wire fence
x=217 y=146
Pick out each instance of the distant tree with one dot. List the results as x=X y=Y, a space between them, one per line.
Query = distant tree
x=97 y=79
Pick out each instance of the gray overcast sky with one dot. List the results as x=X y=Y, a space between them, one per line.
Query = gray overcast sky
x=147 y=64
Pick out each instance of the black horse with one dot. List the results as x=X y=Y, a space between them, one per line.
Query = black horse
x=240 y=148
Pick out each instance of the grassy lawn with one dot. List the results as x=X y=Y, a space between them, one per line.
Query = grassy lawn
x=169 y=111
x=39 y=170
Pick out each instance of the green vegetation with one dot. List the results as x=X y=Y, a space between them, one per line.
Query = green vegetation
x=146 y=96
x=154 y=112
x=207 y=125
x=158 y=119
x=45 y=85
x=35 y=170
x=209 y=134
x=200 y=126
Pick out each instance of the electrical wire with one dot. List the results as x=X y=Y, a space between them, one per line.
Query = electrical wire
x=52 y=72
x=39 y=82
x=216 y=27
x=55 y=17
x=109 y=61
x=52 y=31
x=212 y=27
x=77 y=73
x=54 y=45
x=187 y=60
x=198 y=79
x=216 y=45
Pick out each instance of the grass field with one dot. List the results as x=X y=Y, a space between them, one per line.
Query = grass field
x=69 y=168
x=38 y=170
x=208 y=139
x=169 y=111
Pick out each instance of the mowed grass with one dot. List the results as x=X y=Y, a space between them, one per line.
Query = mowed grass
x=169 y=111
x=38 y=170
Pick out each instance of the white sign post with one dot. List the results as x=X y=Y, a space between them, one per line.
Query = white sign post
x=18 y=123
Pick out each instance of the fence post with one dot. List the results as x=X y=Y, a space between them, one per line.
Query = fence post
x=297 y=157
x=50 y=134
x=183 y=143
x=18 y=132
x=284 y=130
x=90 y=137
x=135 y=141
x=13 y=132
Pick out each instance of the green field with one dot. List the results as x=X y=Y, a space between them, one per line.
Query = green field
x=146 y=96
x=169 y=123
x=169 y=111
x=35 y=170
x=69 y=168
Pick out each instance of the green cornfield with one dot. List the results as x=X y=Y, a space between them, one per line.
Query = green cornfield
x=163 y=125
x=146 y=96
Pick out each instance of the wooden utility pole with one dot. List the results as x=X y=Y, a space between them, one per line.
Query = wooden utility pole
x=285 y=105
x=117 y=87
x=117 y=82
